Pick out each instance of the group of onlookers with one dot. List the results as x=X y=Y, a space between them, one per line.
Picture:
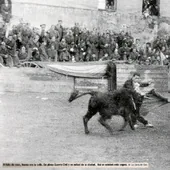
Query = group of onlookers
x=76 y=44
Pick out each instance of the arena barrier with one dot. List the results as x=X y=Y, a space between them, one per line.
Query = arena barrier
x=38 y=80
x=97 y=73
x=43 y=78
x=156 y=73
x=48 y=78
x=87 y=76
x=99 y=76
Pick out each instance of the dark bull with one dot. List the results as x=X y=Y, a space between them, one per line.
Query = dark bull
x=123 y=102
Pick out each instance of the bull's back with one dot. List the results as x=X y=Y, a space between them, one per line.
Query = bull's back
x=100 y=100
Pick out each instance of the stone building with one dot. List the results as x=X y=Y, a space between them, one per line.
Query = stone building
x=89 y=13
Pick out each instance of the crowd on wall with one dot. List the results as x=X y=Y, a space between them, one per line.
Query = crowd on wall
x=76 y=44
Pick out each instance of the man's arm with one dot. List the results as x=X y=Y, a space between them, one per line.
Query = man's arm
x=145 y=84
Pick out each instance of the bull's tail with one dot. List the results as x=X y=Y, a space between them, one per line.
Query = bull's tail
x=76 y=94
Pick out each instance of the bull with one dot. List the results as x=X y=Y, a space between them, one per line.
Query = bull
x=123 y=102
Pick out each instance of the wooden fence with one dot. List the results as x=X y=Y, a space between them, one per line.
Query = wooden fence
x=158 y=74
x=44 y=81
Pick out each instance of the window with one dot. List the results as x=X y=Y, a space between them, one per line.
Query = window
x=109 y=5
x=151 y=8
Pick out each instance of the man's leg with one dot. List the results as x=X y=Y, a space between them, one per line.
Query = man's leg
x=141 y=120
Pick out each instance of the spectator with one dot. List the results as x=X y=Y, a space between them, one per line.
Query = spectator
x=7 y=59
x=70 y=38
x=19 y=42
x=52 y=53
x=2 y=32
x=22 y=54
x=6 y=10
x=134 y=55
x=55 y=42
x=43 y=33
x=53 y=32
x=82 y=47
x=60 y=29
x=77 y=45
x=35 y=55
x=63 y=51
x=43 y=51
x=73 y=50
x=76 y=32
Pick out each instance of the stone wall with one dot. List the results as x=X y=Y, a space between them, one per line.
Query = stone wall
x=164 y=8
x=85 y=12
x=83 y=4
x=128 y=15
x=126 y=7
x=39 y=13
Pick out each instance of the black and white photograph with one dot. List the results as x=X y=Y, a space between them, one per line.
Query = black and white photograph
x=84 y=84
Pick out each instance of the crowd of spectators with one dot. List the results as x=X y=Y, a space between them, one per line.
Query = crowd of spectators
x=76 y=44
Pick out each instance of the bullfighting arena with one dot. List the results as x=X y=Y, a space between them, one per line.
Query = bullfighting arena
x=34 y=130
x=42 y=127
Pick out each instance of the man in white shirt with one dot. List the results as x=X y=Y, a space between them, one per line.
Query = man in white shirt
x=134 y=84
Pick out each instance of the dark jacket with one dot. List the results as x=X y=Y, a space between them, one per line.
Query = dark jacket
x=129 y=84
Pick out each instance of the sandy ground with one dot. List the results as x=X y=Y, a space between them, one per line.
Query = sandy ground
x=45 y=128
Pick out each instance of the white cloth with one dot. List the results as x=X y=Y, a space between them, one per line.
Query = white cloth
x=137 y=88
x=80 y=70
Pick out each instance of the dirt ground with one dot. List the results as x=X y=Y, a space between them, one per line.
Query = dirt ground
x=45 y=128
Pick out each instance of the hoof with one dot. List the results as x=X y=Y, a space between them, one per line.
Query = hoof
x=133 y=128
x=87 y=132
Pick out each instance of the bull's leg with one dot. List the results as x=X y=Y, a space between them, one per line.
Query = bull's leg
x=123 y=114
x=103 y=123
x=86 y=118
x=85 y=121
x=128 y=119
